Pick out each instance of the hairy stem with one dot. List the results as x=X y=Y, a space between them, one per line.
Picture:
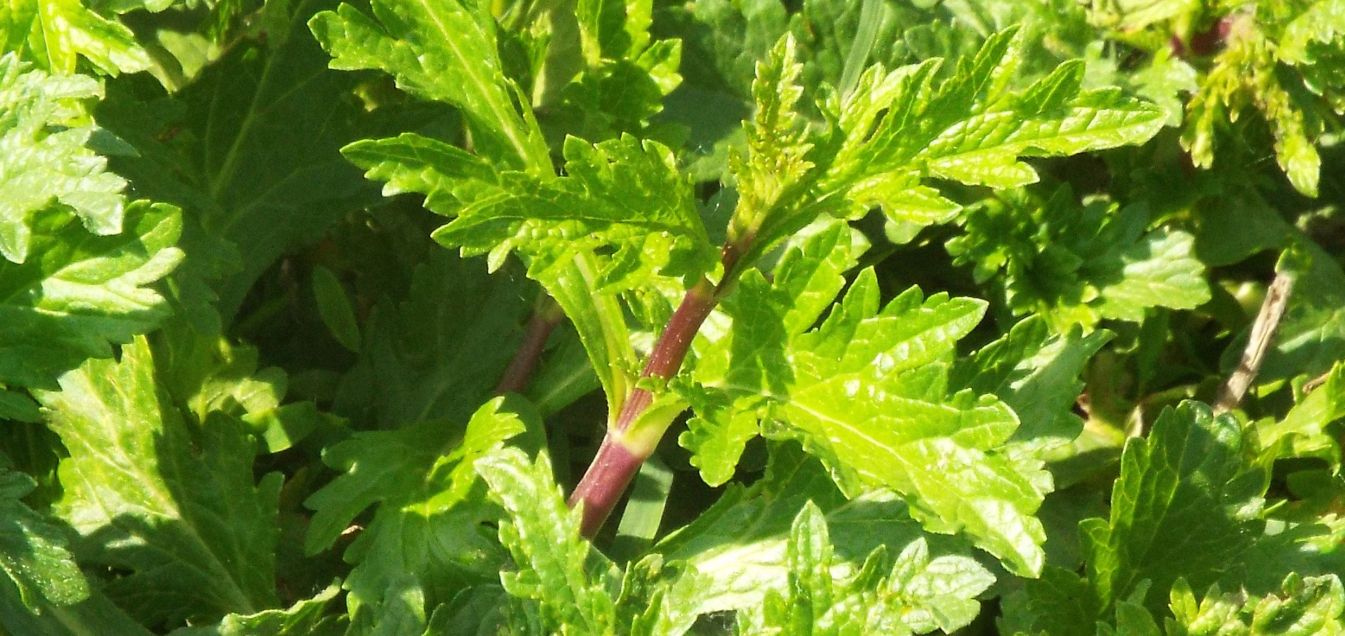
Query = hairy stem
x=616 y=463
x=544 y=319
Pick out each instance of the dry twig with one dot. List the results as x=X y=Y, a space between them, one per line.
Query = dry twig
x=1263 y=331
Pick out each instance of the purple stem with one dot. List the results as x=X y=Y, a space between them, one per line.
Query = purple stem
x=611 y=472
x=615 y=465
x=524 y=363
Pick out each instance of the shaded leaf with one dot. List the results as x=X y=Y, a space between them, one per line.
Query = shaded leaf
x=173 y=503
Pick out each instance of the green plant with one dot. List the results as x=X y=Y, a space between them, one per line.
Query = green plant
x=856 y=317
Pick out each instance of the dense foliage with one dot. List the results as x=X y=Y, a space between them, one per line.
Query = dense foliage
x=856 y=317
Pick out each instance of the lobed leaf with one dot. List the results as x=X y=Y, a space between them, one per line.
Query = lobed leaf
x=77 y=293
x=898 y=128
x=618 y=82
x=621 y=194
x=54 y=34
x=1183 y=506
x=1187 y=513
x=806 y=281
x=735 y=554
x=1078 y=265
x=1037 y=374
x=1303 y=606
x=1303 y=432
x=555 y=567
x=867 y=391
x=33 y=552
x=440 y=51
x=425 y=538
x=45 y=162
x=304 y=617
x=1293 y=104
x=250 y=149
x=436 y=353
x=919 y=595
x=172 y=503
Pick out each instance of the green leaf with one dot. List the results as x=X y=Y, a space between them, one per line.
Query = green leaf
x=839 y=39
x=438 y=352
x=1137 y=14
x=1241 y=224
x=55 y=33
x=735 y=553
x=94 y=615
x=33 y=552
x=305 y=617
x=445 y=174
x=77 y=292
x=1057 y=603
x=334 y=308
x=170 y=502
x=1320 y=22
x=807 y=279
x=1038 y=374
x=1300 y=538
x=1166 y=80
x=1132 y=618
x=775 y=159
x=1269 y=61
x=18 y=407
x=283 y=427
x=601 y=324
x=1212 y=615
x=722 y=40
x=451 y=178
x=1308 y=606
x=1079 y=264
x=444 y=52
x=652 y=608
x=621 y=194
x=1311 y=335
x=622 y=197
x=207 y=374
x=1301 y=606
x=555 y=567
x=1188 y=506
x=897 y=358
x=809 y=591
x=426 y=533
x=1303 y=431
x=251 y=150
x=1184 y=506
x=623 y=73
x=46 y=164
x=899 y=128
x=930 y=593
x=919 y=595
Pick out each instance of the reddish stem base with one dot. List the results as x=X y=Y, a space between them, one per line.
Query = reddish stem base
x=606 y=480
